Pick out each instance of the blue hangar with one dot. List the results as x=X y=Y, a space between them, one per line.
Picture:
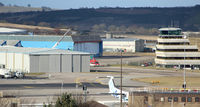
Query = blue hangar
x=91 y=44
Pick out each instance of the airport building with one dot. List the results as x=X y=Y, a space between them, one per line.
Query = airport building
x=86 y=43
x=173 y=50
x=43 y=60
x=164 y=98
x=91 y=44
x=128 y=45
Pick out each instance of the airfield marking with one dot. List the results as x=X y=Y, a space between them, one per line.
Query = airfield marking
x=27 y=87
x=99 y=81
x=77 y=81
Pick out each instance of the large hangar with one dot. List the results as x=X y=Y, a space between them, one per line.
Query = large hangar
x=43 y=60
x=84 y=43
x=88 y=43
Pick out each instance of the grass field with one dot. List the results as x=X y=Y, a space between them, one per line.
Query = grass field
x=171 y=81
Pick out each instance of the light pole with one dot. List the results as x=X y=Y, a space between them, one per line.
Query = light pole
x=184 y=83
x=121 y=80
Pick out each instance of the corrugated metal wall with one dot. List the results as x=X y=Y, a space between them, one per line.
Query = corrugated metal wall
x=54 y=63
x=139 y=45
x=76 y=63
x=59 y=63
x=85 y=62
x=34 y=63
x=67 y=63
x=91 y=47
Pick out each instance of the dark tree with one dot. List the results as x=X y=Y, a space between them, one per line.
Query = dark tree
x=1 y=4
x=29 y=5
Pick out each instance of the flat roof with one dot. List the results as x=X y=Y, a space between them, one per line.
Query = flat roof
x=11 y=30
x=169 y=28
x=125 y=39
x=36 y=38
x=37 y=51
x=86 y=38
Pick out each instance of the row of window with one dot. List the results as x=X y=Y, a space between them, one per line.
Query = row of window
x=183 y=99
x=177 y=32
x=166 y=43
x=178 y=50
x=176 y=99
x=159 y=57
x=171 y=37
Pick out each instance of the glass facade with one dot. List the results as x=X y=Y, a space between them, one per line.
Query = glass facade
x=170 y=32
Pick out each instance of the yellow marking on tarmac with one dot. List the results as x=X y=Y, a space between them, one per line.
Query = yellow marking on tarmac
x=99 y=81
x=77 y=81
x=27 y=87
x=103 y=72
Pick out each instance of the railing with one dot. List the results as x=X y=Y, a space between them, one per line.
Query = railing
x=166 y=90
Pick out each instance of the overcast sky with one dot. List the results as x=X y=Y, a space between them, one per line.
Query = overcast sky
x=66 y=4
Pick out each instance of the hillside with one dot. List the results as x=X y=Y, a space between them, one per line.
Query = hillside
x=134 y=20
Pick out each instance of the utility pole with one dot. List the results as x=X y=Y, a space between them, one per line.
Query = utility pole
x=121 y=81
x=184 y=74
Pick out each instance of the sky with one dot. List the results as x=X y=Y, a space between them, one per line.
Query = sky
x=67 y=4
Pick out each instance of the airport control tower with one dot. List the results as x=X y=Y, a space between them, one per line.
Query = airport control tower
x=173 y=50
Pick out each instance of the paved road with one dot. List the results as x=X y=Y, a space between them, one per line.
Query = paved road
x=49 y=86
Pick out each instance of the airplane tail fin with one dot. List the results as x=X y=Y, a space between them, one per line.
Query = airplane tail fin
x=111 y=84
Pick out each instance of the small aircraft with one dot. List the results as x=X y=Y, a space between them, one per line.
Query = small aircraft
x=115 y=91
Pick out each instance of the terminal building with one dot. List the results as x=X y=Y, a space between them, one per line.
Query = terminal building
x=43 y=60
x=173 y=50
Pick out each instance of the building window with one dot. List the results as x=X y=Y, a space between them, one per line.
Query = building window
x=146 y=100
x=197 y=99
x=189 y=99
x=169 y=99
x=13 y=104
x=183 y=99
x=175 y=99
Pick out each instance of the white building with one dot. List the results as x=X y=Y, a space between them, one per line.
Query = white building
x=128 y=44
x=173 y=49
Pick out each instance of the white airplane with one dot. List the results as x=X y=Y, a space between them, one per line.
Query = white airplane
x=115 y=91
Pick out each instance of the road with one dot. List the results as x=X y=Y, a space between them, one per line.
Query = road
x=49 y=86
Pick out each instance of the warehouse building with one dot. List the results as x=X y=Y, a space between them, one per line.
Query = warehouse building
x=86 y=43
x=91 y=44
x=128 y=45
x=36 y=41
x=43 y=60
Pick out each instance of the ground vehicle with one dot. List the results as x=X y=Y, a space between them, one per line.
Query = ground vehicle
x=94 y=62
x=18 y=74
x=6 y=73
